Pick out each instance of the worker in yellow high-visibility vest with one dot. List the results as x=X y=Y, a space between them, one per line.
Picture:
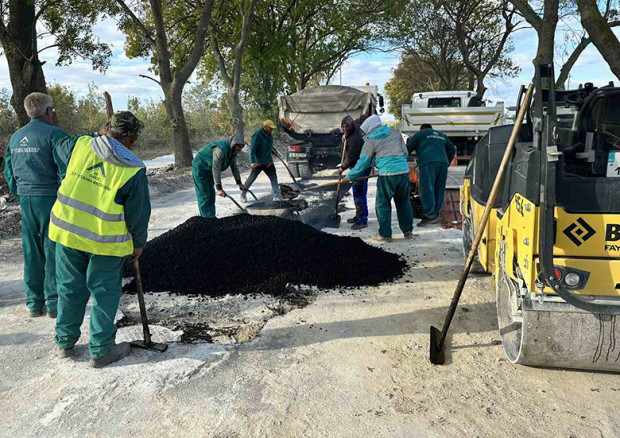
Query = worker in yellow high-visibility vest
x=101 y=215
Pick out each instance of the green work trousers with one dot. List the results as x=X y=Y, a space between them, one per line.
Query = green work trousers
x=205 y=190
x=393 y=187
x=39 y=258
x=433 y=178
x=81 y=275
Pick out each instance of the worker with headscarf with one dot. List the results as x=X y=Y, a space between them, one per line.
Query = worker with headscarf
x=354 y=141
x=207 y=168
x=261 y=159
x=100 y=217
x=32 y=175
x=386 y=149
x=434 y=152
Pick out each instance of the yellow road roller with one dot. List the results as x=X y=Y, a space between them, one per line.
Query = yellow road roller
x=553 y=243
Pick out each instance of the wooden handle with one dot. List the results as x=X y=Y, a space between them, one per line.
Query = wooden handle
x=109 y=109
x=335 y=183
x=143 y=317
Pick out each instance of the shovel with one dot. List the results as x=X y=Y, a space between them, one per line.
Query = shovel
x=237 y=204
x=288 y=169
x=146 y=344
x=337 y=183
x=437 y=337
x=334 y=218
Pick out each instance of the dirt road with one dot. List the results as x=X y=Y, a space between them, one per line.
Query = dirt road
x=347 y=365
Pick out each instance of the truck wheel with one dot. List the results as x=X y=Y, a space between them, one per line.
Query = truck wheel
x=468 y=238
x=304 y=170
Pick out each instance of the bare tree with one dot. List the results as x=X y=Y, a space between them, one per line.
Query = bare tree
x=230 y=68
x=173 y=76
x=599 y=31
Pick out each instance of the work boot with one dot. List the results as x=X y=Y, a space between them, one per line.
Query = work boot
x=408 y=234
x=380 y=238
x=428 y=221
x=52 y=314
x=351 y=221
x=37 y=313
x=358 y=226
x=64 y=353
x=117 y=353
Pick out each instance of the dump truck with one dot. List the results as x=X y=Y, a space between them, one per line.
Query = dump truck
x=311 y=118
x=460 y=115
x=553 y=241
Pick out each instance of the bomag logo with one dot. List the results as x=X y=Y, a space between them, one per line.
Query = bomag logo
x=95 y=167
x=612 y=234
x=579 y=231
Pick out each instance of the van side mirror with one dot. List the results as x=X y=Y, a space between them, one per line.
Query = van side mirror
x=381 y=101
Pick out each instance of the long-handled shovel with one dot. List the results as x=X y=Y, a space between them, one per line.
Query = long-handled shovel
x=146 y=344
x=334 y=218
x=438 y=338
x=288 y=169
x=237 y=204
x=337 y=183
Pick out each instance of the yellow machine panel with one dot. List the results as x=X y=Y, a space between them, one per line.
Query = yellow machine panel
x=603 y=279
x=587 y=235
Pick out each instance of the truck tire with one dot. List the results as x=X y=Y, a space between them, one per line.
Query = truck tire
x=304 y=170
x=468 y=237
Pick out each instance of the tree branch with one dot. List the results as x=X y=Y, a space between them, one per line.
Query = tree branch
x=601 y=34
x=528 y=13
x=139 y=23
x=199 y=43
x=150 y=78
x=44 y=8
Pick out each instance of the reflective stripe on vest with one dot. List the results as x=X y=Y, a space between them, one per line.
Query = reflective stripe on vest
x=85 y=216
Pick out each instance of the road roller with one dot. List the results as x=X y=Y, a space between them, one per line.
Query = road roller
x=553 y=244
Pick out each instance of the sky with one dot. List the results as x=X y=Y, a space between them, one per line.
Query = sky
x=121 y=80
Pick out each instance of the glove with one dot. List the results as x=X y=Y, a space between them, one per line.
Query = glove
x=241 y=187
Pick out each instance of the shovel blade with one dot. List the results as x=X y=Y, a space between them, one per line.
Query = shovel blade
x=437 y=355
x=153 y=346
x=333 y=221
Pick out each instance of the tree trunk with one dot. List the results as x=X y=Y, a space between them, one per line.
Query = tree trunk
x=236 y=112
x=480 y=87
x=183 y=155
x=19 y=41
x=546 y=43
x=601 y=34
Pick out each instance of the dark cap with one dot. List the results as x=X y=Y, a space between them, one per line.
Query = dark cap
x=125 y=124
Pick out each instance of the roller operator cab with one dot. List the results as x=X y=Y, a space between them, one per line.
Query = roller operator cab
x=553 y=242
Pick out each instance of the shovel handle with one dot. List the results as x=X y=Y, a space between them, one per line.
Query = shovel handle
x=335 y=183
x=143 y=317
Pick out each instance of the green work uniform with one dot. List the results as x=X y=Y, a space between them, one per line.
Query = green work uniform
x=80 y=275
x=95 y=164
x=260 y=148
x=202 y=172
x=434 y=152
x=393 y=187
x=31 y=174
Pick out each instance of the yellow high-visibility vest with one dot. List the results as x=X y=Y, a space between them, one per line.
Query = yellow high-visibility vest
x=85 y=216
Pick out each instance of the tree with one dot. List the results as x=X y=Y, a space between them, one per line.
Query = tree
x=483 y=30
x=415 y=74
x=174 y=34
x=543 y=16
x=228 y=38
x=68 y=24
x=599 y=31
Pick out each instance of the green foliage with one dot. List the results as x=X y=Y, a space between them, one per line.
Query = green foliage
x=157 y=132
x=8 y=120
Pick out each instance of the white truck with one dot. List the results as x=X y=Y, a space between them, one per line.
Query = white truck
x=458 y=114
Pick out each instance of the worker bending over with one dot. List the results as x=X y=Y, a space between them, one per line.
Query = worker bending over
x=101 y=216
x=434 y=152
x=354 y=141
x=386 y=148
x=207 y=168
x=261 y=159
x=31 y=174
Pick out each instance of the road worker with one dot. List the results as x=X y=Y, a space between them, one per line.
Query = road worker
x=261 y=159
x=386 y=149
x=434 y=152
x=101 y=215
x=32 y=175
x=207 y=168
